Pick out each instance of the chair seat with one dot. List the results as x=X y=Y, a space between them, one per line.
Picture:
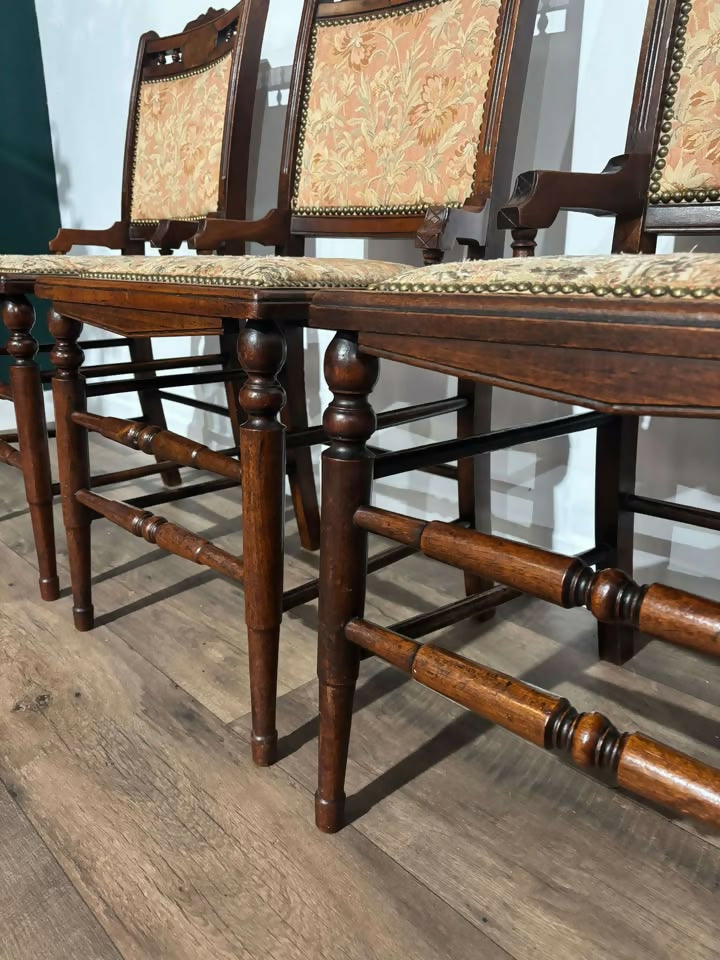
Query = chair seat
x=253 y=272
x=693 y=276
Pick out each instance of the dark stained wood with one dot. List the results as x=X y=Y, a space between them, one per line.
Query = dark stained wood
x=73 y=460
x=649 y=769
x=610 y=595
x=162 y=443
x=169 y=536
x=34 y=461
x=346 y=481
x=262 y=352
x=616 y=454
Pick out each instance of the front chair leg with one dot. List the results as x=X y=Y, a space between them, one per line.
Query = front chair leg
x=347 y=467
x=73 y=459
x=261 y=350
x=19 y=317
x=615 y=462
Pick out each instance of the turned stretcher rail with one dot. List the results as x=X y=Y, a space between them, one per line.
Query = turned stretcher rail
x=434 y=454
x=161 y=443
x=9 y=455
x=610 y=595
x=645 y=767
x=170 y=536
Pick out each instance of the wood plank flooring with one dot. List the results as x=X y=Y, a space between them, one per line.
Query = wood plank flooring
x=133 y=824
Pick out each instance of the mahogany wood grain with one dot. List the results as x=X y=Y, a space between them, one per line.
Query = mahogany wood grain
x=262 y=352
x=170 y=536
x=162 y=443
x=649 y=769
x=73 y=459
x=610 y=595
x=18 y=316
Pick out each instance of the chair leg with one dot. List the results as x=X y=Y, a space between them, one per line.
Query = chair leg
x=230 y=365
x=73 y=459
x=347 y=480
x=261 y=349
x=150 y=400
x=474 y=486
x=19 y=317
x=615 y=462
x=299 y=462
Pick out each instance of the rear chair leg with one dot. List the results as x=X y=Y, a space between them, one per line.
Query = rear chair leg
x=261 y=349
x=299 y=462
x=150 y=400
x=474 y=482
x=347 y=466
x=19 y=317
x=615 y=463
x=73 y=459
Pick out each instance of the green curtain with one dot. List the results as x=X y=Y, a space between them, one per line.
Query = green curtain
x=29 y=210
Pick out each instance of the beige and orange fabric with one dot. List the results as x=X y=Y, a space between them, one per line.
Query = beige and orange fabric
x=301 y=273
x=178 y=144
x=687 y=163
x=395 y=105
x=690 y=276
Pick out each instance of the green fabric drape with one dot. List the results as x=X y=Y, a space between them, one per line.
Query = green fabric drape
x=29 y=210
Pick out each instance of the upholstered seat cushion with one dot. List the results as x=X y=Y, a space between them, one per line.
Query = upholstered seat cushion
x=255 y=272
x=676 y=275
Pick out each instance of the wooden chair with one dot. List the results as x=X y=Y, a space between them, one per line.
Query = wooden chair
x=445 y=129
x=186 y=154
x=623 y=335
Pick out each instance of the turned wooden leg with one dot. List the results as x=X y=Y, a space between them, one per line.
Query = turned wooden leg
x=474 y=473
x=614 y=527
x=150 y=400
x=261 y=349
x=19 y=317
x=347 y=479
x=299 y=463
x=73 y=459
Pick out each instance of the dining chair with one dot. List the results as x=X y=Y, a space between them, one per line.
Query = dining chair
x=187 y=154
x=627 y=334
x=402 y=122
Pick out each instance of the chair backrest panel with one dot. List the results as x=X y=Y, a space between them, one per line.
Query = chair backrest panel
x=675 y=116
x=188 y=135
x=397 y=110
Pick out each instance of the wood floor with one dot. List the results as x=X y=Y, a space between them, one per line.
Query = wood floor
x=133 y=824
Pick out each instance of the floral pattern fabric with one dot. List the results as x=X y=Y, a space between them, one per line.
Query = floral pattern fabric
x=253 y=272
x=677 y=275
x=692 y=161
x=395 y=108
x=178 y=144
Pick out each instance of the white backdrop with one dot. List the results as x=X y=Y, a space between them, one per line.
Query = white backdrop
x=575 y=115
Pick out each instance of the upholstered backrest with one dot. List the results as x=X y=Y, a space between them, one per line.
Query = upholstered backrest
x=686 y=165
x=178 y=144
x=395 y=104
x=191 y=114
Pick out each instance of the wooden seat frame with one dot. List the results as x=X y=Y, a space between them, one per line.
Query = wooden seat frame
x=661 y=359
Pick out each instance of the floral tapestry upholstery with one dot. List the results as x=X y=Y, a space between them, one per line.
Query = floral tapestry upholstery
x=677 y=275
x=394 y=108
x=254 y=272
x=178 y=144
x=687 y=162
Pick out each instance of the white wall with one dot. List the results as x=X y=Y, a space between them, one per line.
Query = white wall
x=575 y=114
